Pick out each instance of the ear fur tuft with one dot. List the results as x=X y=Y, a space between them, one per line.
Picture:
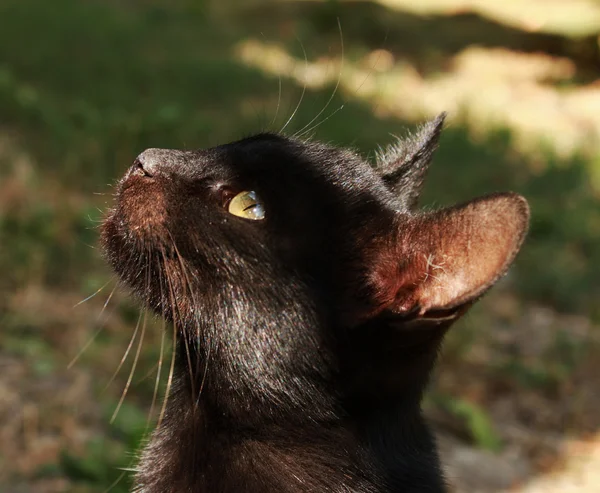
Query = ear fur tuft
x=404 y=165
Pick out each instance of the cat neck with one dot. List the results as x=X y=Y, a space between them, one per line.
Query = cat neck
x=214 y=442
x=200 y=448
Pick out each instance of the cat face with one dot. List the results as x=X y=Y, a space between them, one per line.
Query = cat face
x=177 y=209
x=267 y=247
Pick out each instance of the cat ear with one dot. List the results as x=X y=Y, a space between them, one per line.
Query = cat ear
x=404 y=165
x=444 y=260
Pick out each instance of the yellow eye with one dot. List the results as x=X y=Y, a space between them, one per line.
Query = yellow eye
x=247 y=205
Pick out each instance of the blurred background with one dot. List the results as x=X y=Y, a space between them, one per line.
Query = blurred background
x=86 y=85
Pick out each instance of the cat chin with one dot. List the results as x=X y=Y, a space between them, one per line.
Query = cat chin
x=143 y=261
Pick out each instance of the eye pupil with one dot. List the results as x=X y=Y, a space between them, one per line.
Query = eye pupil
x=247 y=205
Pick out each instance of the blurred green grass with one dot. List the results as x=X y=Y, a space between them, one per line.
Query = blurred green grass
x=86 y=86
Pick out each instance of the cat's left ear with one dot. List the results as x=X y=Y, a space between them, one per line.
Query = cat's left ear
x=442 y=261
x=404 y=165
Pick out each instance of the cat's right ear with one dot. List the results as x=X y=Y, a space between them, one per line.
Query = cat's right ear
x=440 y=262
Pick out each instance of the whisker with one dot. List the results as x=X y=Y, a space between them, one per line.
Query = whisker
x=371 y=71
x=158 y=374
x=185 y=336
x=118 y=480
x=303 y=88
x=197 y=333
x=138 y=349
x=91 y=340
x=337 y=85
x=169 y=379
x=375 y=63
x=278 y=98
x=173 y=353
x=204 y=373
x=184 y=270
x=160 y=357
x=133 y=367
x=278 y=102
x=188 y=286
x=147 y=375
x=129 y=346
x=260 y=115
x=311 y=129
x=94 y=293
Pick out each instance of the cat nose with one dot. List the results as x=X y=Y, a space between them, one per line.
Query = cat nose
x=167 y=163
x=149 y=162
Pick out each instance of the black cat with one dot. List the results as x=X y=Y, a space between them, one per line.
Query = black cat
x=310 y=298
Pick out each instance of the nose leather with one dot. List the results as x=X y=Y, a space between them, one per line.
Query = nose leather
x=152 y=160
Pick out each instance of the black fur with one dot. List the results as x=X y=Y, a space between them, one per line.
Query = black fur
x=403 y=167
x=305 y=340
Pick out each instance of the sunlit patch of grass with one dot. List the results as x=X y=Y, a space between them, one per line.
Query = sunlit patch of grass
x=569 y=18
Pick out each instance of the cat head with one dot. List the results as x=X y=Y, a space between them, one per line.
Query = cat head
x=312 y=211
x=270 y=237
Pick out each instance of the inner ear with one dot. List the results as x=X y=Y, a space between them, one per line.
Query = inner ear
x=442 y=261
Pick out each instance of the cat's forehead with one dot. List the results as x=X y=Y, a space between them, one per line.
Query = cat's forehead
x=273 y=150
x=289 y=158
